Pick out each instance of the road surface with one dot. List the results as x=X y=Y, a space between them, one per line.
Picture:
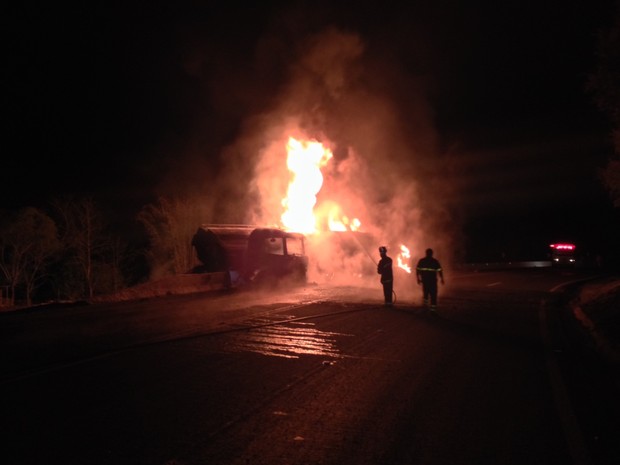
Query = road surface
x=313 y=375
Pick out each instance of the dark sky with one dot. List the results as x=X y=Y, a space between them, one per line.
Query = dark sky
x=113 y=98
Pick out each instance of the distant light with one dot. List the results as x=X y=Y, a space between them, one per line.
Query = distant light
x=563 y=246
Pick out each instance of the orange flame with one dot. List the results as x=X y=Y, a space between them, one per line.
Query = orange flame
x=403 y=258
x=336 y=221
x=305 y=160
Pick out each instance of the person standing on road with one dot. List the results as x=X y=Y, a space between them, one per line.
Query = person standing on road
x=384 y=268
x=427 y=271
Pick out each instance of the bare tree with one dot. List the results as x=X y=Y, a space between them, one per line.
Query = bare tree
x=28 y=242
x=170 y=225
x=83 y=236
x=118 y=252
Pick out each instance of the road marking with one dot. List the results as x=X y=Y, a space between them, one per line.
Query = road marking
x=494 y=284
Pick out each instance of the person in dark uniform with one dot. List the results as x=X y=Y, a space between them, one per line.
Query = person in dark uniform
x=427 y=271
x=384 y=268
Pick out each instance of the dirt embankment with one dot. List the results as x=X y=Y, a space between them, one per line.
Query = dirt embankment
x=597 y=308
x=172 y=285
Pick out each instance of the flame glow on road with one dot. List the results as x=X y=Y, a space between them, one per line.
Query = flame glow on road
x=288 y=341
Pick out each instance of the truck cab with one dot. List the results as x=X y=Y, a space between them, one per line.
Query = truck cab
x=251 y=254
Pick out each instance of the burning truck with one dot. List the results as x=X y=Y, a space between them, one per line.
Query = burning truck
x=251 y=254
x=340 y=252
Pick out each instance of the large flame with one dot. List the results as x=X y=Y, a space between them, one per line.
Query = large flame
x=305 y=160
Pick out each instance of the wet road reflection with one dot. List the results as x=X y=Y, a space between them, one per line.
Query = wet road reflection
x=288 y=340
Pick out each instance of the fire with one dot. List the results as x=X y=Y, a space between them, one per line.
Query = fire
x=305 y=160
x=403 y=258
x=336 y=221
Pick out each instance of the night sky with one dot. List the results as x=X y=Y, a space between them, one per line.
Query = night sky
x=125 y=100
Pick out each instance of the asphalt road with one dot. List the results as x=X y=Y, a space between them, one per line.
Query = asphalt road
x=314 y=375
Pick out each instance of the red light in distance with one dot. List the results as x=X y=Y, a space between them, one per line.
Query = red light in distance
x=563 y=246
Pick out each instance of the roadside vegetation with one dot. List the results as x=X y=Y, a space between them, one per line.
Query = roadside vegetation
x=604 y=86
x=70 y=251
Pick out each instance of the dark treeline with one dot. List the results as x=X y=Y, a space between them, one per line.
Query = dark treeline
x=69 y=250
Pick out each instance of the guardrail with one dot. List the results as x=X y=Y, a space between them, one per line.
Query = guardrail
x=503 y=265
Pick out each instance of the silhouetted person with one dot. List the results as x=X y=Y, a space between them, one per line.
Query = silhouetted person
x=384 y=268
x=426 y=273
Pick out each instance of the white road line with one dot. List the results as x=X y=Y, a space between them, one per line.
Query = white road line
x=494 y=284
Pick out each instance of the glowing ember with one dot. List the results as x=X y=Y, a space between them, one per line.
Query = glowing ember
x=403 y=258
x=305 y=160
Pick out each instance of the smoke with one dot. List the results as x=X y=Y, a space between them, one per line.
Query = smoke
x=384 y=172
